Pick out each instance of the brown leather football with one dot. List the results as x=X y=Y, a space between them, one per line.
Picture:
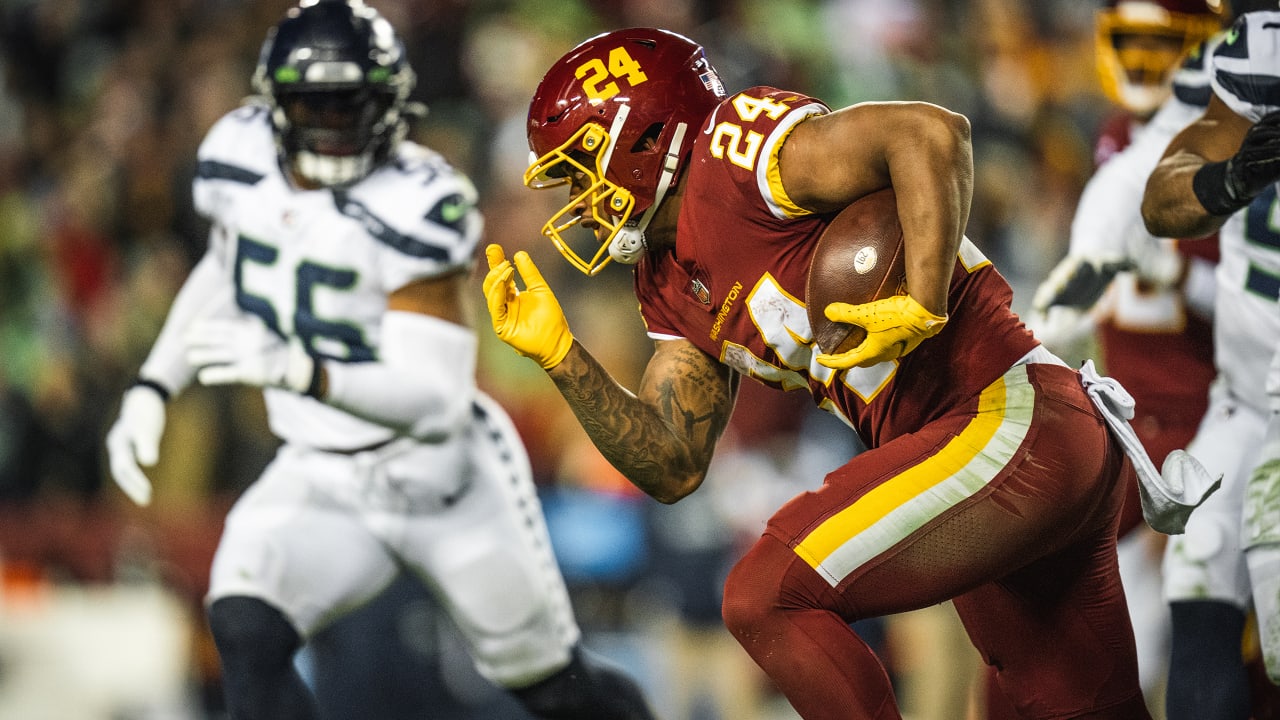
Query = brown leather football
x=859 y=258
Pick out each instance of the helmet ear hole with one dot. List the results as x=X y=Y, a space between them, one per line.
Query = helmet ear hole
x=648 y=140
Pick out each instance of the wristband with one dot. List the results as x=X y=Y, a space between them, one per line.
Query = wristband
x=160 y=389
x=1214 y=192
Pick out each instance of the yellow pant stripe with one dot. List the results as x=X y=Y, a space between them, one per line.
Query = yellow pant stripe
x=906 y=502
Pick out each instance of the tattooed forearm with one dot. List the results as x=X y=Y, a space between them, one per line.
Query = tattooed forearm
x=663 y=440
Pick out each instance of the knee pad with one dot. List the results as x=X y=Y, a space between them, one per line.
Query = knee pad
x=1264 y=570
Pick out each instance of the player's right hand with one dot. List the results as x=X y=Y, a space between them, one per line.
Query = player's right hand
x=1064 y=329
x=134 y=440
x=530 y=321
x=1156 y=261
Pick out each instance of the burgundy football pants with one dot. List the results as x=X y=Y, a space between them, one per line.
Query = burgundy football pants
x=1009 y=507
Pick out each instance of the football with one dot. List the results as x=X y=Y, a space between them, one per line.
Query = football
x=859 y=258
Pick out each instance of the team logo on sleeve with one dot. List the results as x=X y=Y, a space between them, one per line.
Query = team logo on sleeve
x=450 y=212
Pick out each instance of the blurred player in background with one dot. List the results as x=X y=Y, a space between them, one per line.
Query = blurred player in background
x=1219 y=174
x=1146 y=302
x=1143 y=296
x=334 y=280
x=994 y=473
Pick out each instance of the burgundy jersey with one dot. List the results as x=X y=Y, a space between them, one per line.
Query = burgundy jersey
x=735 y=285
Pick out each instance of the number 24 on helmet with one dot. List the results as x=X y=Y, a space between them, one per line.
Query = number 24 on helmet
x=613 y=119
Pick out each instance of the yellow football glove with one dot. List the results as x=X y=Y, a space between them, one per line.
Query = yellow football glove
x=530 y=321
x=894 y=325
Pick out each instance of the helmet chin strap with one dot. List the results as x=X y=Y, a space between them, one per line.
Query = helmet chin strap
x=628 y=243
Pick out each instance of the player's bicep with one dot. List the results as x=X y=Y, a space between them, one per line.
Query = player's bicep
x=832 y=160
x=820 y=167
x=441 y=296
x=692 y=392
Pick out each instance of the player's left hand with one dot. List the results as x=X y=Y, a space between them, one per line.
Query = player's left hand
x=134 y=441
x=244 y=351
x=895 y=326
x=531 y=321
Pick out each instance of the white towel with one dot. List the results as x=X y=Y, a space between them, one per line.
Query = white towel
x=1168 y=497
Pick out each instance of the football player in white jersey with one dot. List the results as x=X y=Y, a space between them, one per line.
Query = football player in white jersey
x=1220 y=174
x=335 y=280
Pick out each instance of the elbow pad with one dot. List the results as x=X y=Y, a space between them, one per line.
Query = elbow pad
x=422 y=386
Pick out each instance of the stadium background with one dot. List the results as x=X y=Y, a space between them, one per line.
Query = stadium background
x=102 y=106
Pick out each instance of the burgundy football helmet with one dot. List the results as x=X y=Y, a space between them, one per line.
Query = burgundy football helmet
x=613 y=119
x=1140 y=44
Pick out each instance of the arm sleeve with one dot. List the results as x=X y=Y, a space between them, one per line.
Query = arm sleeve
x=424 y=383
x=205 y=293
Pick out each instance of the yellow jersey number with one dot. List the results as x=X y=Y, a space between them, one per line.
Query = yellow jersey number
x=730 y=140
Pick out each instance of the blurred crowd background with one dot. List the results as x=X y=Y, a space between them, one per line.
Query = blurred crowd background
x=102 y=106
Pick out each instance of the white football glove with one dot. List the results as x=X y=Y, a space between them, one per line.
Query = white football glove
x=244 y=351
x=134 y=440
x=1156 y=261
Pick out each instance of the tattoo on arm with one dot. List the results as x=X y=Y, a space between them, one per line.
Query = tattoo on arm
x=662 y=440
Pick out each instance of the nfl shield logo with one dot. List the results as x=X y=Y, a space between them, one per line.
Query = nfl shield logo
x=700 y=291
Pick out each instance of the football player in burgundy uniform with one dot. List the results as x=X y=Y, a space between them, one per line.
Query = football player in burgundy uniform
x=991 y=476
x=1150 y=298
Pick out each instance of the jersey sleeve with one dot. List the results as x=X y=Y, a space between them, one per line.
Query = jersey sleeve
x=238 y=150
x=1244 y=67
x=424 y=215
x=749 y=129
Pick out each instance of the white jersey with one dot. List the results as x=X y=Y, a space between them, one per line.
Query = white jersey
x=319 y=265
x=1245 y=71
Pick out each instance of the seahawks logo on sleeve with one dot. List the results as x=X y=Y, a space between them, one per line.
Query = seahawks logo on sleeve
x=451 y=211
x=1245 y=70
x=387 y=235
